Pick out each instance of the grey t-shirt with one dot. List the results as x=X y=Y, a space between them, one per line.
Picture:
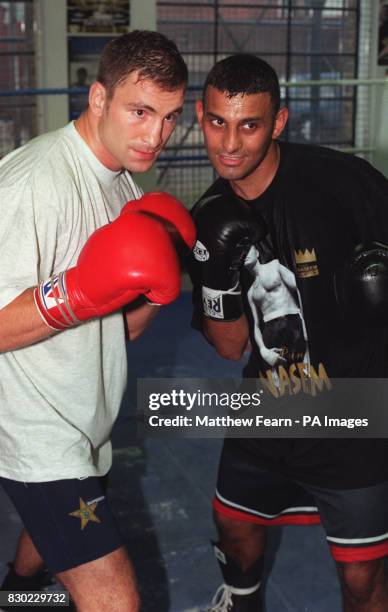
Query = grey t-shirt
x=58 y=398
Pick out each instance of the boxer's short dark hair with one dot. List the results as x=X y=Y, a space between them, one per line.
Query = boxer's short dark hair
x=244 y=74
x=151 y=54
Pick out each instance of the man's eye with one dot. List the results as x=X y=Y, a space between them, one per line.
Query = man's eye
x=217 y=122
x=170 y=118
x=250 y=125
x=139 y=112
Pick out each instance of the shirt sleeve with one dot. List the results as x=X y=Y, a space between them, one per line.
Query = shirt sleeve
x=27 y=241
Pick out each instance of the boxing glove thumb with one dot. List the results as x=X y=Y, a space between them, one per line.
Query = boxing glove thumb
x=361 y=285
x=173 y=215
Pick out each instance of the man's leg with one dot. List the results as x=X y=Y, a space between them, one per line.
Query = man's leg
x=27 y=559
x=28 y=563
x=240 y=553
x=247 y=500
x=71 y=526
x=244 y=542
x=356 y=525
x=27 y=572
x=364 y=586
x=107 y=583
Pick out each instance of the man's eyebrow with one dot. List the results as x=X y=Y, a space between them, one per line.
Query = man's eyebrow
x=251 y=119
x=214 y=115
x=241 y=121
x=140 y=105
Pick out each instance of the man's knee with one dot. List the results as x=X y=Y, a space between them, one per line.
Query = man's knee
x=109 y=581
x=234 y=529
x=243 y=541
x=361 y=581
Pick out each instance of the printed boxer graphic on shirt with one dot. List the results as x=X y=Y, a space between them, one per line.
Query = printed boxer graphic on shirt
x=279 y=329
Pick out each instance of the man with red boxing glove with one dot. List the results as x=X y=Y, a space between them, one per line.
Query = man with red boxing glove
x=291 y=261
x=72 y=256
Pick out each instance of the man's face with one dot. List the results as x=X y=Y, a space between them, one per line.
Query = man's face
x=238 y=131
x=136 y=123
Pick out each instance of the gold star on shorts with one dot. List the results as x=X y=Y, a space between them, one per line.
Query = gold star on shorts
x=85 y=513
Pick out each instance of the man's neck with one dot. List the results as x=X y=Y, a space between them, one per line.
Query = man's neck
x=87 y=127
x=257 y=182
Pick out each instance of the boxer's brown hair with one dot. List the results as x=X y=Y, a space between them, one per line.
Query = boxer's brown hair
x=151 y=54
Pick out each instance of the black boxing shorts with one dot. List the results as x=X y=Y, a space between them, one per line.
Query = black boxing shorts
x=355 y=520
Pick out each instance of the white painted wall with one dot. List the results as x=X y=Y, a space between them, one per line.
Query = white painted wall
x=143 y=14
x=379 y=104
x=51 y=62
x=143 y=17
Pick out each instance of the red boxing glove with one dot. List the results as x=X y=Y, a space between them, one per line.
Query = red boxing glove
x=169 y=211
x=131 y=256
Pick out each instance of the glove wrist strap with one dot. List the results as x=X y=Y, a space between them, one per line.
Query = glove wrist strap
x=222 y=305
x=52 y=303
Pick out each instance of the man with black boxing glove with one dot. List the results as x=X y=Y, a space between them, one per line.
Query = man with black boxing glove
x=73 y=254
x=277 y=235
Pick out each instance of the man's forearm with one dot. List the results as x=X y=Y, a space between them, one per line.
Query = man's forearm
x=229 y=338
x=21 y=324
x=139 y=317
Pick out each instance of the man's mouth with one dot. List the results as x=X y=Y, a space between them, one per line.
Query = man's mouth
x=146 y=155
x=230 y=160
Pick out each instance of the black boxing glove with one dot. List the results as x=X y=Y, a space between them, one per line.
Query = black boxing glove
x=226 y=229
x=361 y=285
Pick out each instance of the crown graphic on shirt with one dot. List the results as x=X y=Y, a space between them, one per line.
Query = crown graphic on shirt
x=306 y=256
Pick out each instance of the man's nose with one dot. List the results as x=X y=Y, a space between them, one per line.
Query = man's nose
x=153 y=136
x=231 y=141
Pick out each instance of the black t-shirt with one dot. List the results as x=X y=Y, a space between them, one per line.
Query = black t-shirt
x=320 y=205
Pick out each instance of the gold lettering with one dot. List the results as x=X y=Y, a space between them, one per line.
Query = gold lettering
x=300 y=377
x=304 y=376
x=284 y=380
x=320 y=380
x=295 y=379
x=268 y=382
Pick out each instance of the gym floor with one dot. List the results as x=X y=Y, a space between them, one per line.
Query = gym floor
x=161 y=490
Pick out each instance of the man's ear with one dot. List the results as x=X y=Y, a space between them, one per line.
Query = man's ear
x=280 y=122
x=97 y=98
x=199 y=111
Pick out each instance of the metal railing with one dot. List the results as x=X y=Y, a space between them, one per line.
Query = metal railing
x=329 y=112
x=332 y=112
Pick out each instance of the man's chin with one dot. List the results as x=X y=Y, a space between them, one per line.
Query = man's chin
x=140 y=165
x=229 y=173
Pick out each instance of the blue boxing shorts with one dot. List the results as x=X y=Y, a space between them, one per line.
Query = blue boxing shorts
x=69 y=521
